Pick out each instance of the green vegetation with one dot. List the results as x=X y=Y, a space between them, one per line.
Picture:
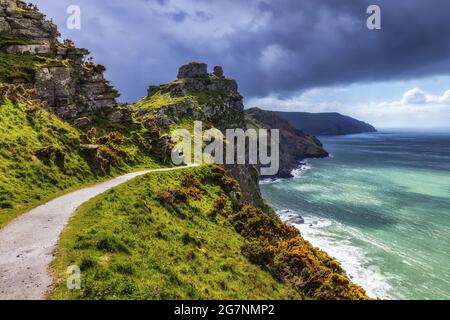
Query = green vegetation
x=287 y=255
x=38 y=158
x=21 y=67
x=42 y=156
x=14 y=67
x=179 y=91
x=183 y=235
x=159 y=100
x=162 y=236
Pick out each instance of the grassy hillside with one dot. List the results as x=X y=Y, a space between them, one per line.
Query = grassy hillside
x=38 y=158
x=42 y=156
x=162 y=236
x=183 y=235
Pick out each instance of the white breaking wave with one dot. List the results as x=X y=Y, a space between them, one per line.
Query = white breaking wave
x=297 y=173
x=323 y=234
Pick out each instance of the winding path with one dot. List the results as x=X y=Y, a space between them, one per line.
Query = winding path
x=28 y=244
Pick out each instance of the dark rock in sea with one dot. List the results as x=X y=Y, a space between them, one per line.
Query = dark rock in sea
x=325 y=123
x=296 y=220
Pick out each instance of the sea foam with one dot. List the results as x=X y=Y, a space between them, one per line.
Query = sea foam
x=328 y=236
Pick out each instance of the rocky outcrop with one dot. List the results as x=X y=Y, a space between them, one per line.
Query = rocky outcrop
x=24 y=21
x=218 y=71
x=295 y=146
x=215 y=100
x=210 y=98
x=193 y=70
x=207 y=98
x=69 y=85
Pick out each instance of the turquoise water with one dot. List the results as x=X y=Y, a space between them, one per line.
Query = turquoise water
x=381 y=206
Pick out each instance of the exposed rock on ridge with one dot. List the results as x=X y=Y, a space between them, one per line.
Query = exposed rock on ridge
x=204 y=97
x=71 y=86
x=198 y=95
x=331 y=123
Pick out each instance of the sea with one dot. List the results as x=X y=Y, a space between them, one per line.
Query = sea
x=380 y=205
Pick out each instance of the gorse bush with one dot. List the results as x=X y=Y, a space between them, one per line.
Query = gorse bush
x=281 y=249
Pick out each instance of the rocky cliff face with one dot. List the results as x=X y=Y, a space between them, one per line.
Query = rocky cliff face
x=210 y=98
x=295 y=146
x=70 y=86
x=196 y=94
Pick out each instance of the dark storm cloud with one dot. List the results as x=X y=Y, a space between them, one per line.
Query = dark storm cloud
x=279 y=46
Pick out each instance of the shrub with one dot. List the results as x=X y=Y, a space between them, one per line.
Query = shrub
x=6 y=205
x=191 y=187
x=172 y=197
x=87 y=263
x=229 y=184
x=218 y=207
x=280 y=248
x=51 y=154
x=124 y=268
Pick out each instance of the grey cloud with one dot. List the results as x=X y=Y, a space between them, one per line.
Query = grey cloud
x=282 y=46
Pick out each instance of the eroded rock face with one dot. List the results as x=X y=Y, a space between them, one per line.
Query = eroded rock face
x=22 y=20
x=193 y=70
x=295 y=145
x=216 y=103
x=69 y=86
x=218 y=71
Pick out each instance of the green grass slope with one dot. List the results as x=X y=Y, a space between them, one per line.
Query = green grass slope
x=38 y=158
x=162 y=236
x=42 y=157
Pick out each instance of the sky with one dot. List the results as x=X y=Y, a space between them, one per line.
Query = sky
x=287 y=55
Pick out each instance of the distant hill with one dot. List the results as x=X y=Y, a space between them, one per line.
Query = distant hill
x=326 y=123
x=295 y=145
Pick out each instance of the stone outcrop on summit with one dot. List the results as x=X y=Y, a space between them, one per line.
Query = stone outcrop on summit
x=196 y=93
x=193 y=70
x=199 y=95
x=70 y=85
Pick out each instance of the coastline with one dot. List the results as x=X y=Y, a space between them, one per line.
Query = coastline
x=353 y=260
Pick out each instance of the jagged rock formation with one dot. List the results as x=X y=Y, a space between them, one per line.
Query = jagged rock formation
x=198 y=95
x=295 y=145
x=193 y=70
x=70 y=86
x=204 y=97
x=218 y=71
x=24 y=21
